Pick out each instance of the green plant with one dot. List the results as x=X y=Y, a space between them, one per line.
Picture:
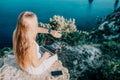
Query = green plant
x=5 y=51
x=111 y=48
x=59 y=23
x=111 y=70
x=75 y=38
x=67 y=26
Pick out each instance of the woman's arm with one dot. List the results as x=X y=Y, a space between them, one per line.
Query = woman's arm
x=34 y=57
x=38 y=61
x=54 y=33
x=42 y=30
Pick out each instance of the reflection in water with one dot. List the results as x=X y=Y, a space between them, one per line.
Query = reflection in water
x=116 y=4
x=90 y=1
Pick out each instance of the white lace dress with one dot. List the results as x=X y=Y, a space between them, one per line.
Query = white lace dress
x=44 y=66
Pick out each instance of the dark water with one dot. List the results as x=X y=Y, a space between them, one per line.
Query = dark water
x=84 y=11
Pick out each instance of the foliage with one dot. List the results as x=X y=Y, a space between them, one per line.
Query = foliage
x=67 y=27
x=45 y=39
x=44 y=25
x=111 y=70
x=111 y=48
x=72 y=38
x=108 y=71
x=59 y=23
x=95 y=36
x=80 y=59
x=40 y=39
x=75 y=38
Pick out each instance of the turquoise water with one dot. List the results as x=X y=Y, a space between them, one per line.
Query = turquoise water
x=84 y=13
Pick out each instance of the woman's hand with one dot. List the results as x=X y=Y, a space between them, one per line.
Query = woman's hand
x=55 y=34
x=46 y=55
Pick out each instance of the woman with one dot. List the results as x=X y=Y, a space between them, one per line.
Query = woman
x=26 y=49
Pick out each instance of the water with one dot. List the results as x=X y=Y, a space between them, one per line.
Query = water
x=84 y=13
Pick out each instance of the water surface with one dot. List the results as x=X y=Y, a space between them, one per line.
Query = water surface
x=84 y=12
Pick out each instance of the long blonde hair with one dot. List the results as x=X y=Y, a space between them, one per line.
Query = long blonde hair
x=22 y=36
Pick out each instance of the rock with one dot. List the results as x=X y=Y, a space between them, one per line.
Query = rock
x=110 y=37
x=11 y=71
x=109 y=29
x=1 y=62
x=101 y=27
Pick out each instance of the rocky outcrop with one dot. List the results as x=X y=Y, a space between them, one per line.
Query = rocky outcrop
x=10 y=71
x=109 y=29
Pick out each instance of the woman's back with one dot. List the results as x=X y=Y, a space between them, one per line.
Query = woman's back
x=26 y=49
